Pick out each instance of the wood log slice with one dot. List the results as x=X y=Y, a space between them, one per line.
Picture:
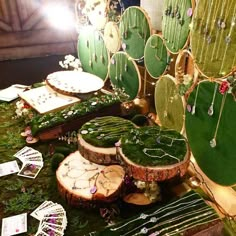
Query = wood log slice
x=97 y=155
x=82 y=183
x=98 y=137
x=149 y=156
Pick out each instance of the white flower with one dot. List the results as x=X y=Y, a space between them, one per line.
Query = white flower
x=69 y=58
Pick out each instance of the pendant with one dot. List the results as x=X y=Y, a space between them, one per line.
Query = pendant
x=213 y=143
x=94 y=57
x=189 y=108
x=193 y=110
x=102 y=59
x=210 y=110
x=126 y=67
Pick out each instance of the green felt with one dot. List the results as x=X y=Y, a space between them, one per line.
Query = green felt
x=105 y=131
x=164 y=147
x=155 y=56
x=218 y=163
x=93 y=53
x=134 y=30
x=214 y=57
x=169 y=104
x=176 y=34
x=128 y=79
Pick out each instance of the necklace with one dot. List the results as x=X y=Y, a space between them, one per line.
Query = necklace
x=90 y=56
x=181 y=22
x=195 y=101
x=213 y=141
x=228 y=37
x=121 y=67
x=201 y=23
x=179 y=204
x=197 y=219
x=94 y=48
x=219 y=27
x=206 y=32
x=204 y=211
x=223 y=26
x=211 y=108
x=160 y=154
x=116 y=65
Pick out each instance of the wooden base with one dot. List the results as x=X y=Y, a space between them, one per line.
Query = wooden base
x=149 y=173
x=97 y=155
x=57 y=131
x=82 y=183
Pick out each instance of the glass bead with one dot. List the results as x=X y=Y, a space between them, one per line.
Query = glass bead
x=213 y=143
x=143 y=216
x=227 y=39
x=144 y=230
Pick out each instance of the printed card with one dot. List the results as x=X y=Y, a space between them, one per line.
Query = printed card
x=29 y=170
x=14 y=225
x=8 y=168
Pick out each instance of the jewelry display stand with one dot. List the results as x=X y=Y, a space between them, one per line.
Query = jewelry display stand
x=155 y=56
x=112 y=37
x=210 y=132
x=44 y=99
x=135 y=30
x=92 y=52
x=175 y=23
x=186 y=73
x=82 y=183
x=152 y=154
x=74 y=83
x=212 y=37
x=124 y=75
x=98 y=137
x=96 y=11
x=189 y=215
x=169 y=104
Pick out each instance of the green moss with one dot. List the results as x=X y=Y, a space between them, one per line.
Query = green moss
x=42 y=122
x=57 y=158
x=105 y=131
x=151 y=146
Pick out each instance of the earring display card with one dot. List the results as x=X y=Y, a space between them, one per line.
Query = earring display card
x=44 y=99
x=211 y=135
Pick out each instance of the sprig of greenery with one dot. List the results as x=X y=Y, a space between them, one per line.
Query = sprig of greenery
x=27 y=200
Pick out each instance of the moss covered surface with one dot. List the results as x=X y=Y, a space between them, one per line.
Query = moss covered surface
x=152 y=146
x=105 y=131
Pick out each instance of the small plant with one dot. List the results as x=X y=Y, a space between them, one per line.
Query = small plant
x=24 y=201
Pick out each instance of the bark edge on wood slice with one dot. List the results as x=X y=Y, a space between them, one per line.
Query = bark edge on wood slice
x=99 y=155
x=156 y=173
x=82 y=183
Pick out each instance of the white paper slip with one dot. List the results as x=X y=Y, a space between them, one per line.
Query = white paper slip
x=14 y=225
x=11 y=93
x=8 y=168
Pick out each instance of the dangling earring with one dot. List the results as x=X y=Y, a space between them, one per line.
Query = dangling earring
x=211 y=108
x=213 y=141
x=195 y=101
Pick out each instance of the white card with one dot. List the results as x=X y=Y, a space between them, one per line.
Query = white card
x=14 y=225
x=8 y=168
